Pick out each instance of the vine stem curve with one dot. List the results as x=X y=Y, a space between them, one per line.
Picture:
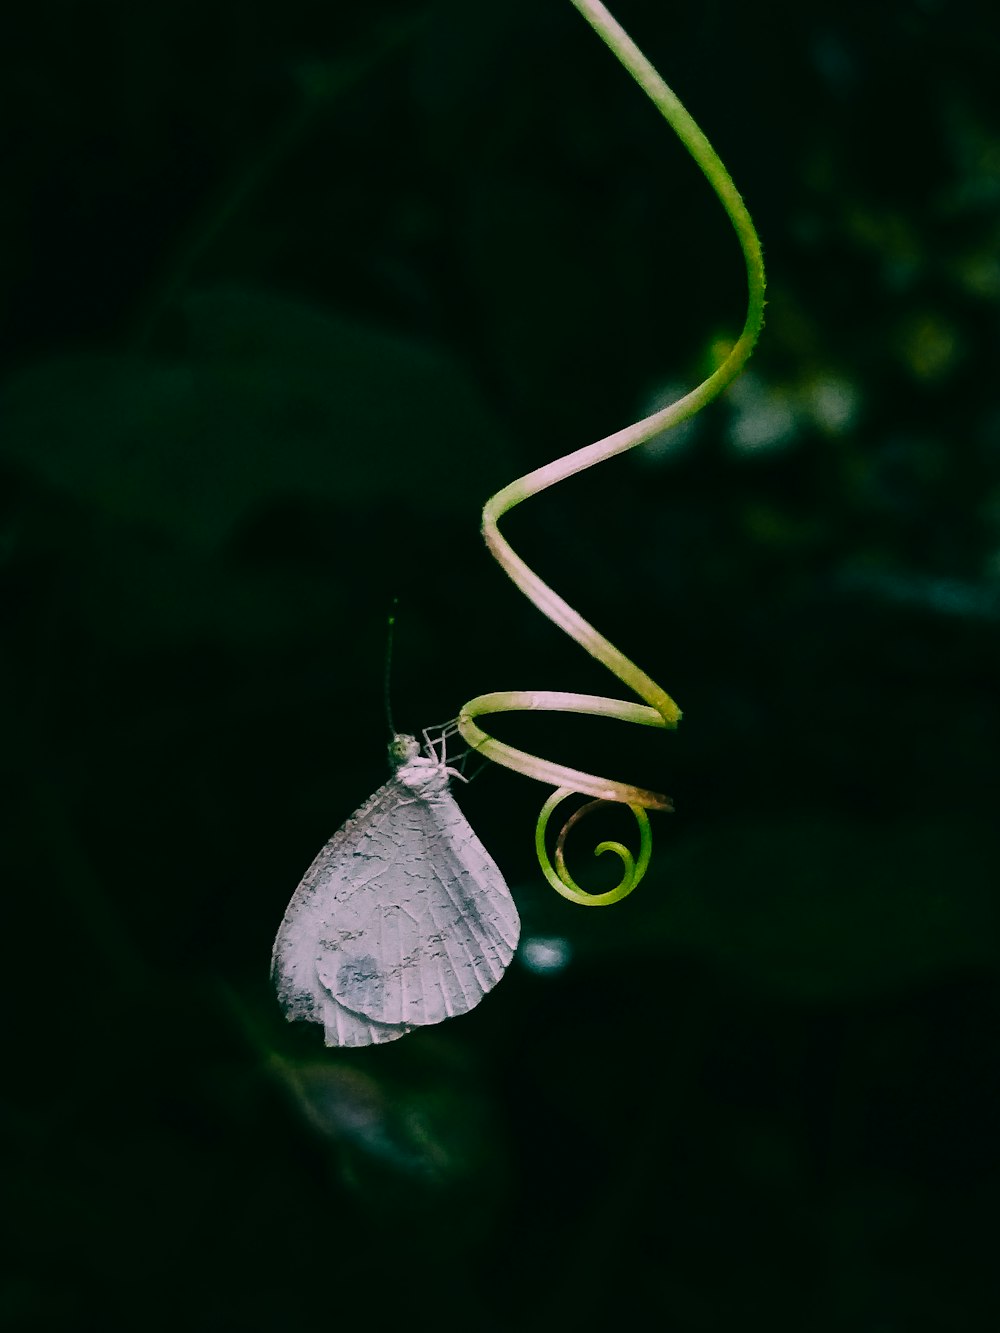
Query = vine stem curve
x=658 y=709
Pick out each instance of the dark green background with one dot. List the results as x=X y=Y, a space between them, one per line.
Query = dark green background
x=286 y=291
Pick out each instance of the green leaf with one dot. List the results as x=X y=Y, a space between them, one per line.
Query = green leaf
x=271 y=399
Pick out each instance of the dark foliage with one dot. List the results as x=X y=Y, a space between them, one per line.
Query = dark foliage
x=287 y=291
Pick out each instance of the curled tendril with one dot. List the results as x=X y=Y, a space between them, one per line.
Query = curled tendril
x=657 y=708
x=558 y=875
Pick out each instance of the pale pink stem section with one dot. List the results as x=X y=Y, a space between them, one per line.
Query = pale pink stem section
x=658 y=708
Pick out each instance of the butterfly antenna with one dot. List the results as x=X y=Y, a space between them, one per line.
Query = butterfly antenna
x=390 y=625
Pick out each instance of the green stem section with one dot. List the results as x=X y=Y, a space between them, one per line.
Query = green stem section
x=658 y=708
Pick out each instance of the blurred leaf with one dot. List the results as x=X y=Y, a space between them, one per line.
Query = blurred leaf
x=272 y=399
x=408 y=1140
x=223 y=495
x=822 y=910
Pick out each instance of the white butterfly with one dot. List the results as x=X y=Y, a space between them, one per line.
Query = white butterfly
x=403 y=920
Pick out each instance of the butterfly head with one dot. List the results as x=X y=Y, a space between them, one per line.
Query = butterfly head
x=424 y=775
x=402 y=749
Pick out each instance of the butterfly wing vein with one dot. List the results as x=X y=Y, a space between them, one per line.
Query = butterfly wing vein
x=403 y=920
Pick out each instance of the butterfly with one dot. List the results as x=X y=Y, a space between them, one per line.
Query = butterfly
x=403 y=919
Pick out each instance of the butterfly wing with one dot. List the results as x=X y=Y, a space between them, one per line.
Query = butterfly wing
x=402 y=920
x=345 y=861
x=429 y=931
x=342 y=1028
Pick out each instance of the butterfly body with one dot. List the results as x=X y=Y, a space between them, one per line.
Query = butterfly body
x=401 y=921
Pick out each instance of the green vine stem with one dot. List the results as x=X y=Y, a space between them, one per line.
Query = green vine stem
x=658 y=708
